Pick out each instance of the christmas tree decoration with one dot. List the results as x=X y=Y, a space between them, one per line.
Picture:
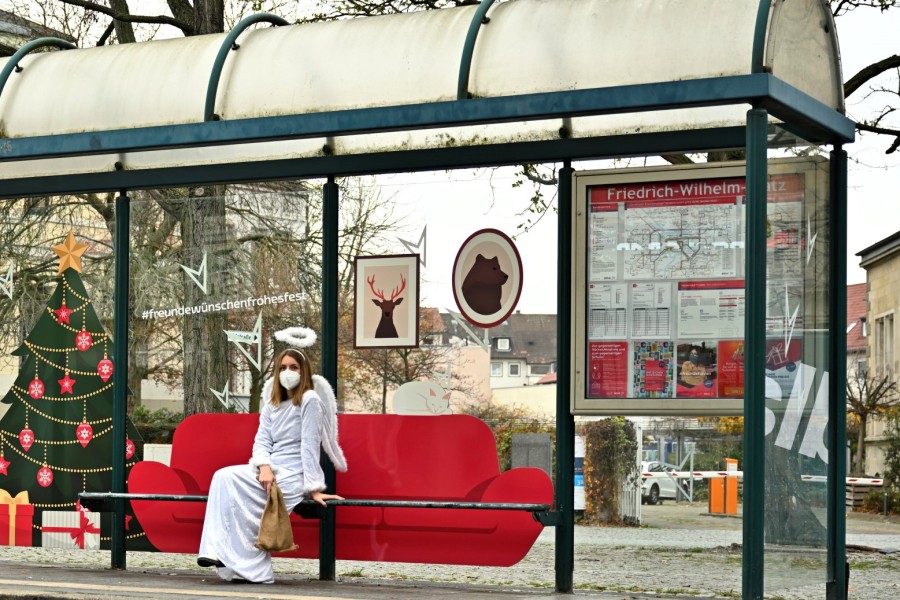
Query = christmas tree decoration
x=84 y=433
x=105 y=369
x=70 y=529
x=45 y=476
x=83 y=340
x=36 y=389
x=26 y=438
x=66 y=384
x=16 y=514
x=73 y=429
x=70 y=253
x=63 y=313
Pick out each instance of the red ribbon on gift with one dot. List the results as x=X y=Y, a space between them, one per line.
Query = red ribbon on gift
x=76 y=533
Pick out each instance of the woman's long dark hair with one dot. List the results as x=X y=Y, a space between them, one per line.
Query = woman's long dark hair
x=279 y=392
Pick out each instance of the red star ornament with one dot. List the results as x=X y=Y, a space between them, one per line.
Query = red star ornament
x=84 y=433
x=36 y=388
x=26 y=438
x=83 y=340
x=44 y=476
x=66 y=384
x=105 y=369
x=63 y=313
x=3 y=466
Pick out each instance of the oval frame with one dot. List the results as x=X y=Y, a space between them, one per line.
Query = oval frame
x=508 y=256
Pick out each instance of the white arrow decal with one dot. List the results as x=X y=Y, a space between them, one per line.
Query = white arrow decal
x=195 y=273
x=810 y=241
x=223 y=397
x=418 y=248
x=240 y=338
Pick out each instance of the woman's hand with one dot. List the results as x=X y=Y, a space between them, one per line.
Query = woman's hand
x=321 y=497
x=266 y=477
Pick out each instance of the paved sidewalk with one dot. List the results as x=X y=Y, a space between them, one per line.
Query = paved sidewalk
x=679 y=553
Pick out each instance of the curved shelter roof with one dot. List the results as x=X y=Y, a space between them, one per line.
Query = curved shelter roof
x=530 y=73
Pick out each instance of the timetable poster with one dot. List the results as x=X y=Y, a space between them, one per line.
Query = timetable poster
x=697 y=370
x=608 y=369
x=653 y=369
x=731 y=369
x=665 y=284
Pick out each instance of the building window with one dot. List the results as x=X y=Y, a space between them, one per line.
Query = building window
x=884 y=345
x=513 y=369
x=503 y=344
x=539 y=369
x=496 y=369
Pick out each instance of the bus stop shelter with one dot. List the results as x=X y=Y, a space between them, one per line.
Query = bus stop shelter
x=525 y=81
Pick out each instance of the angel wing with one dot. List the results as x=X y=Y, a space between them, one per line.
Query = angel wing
x=329 y=423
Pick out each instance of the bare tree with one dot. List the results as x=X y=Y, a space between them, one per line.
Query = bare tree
x=868 y=396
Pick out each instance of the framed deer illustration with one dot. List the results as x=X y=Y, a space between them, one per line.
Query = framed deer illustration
x=386 y=301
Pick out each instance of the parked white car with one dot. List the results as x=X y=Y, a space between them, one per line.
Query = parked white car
x=656 y=489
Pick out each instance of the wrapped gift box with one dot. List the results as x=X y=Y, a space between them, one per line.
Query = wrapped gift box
x=16 y=515
x=70 y=529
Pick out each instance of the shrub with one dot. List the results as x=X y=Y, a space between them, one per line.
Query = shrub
x=155 y=427
x=609 y=456
x=504 y=421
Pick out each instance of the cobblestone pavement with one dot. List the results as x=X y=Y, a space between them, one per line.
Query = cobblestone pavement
x=679 y=552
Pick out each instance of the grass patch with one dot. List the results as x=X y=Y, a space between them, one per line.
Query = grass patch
x=353 y=573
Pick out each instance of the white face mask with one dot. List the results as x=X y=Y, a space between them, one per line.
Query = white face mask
x=289 y=379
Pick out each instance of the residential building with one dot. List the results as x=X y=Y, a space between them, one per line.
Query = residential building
x=857 y=330
x=523 y=350
x=882 y=264
x=15 y=32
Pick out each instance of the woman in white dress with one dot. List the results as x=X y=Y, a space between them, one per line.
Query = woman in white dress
x=292 y=423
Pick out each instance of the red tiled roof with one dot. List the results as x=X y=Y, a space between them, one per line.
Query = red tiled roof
x=548 y=378
x=856 y=313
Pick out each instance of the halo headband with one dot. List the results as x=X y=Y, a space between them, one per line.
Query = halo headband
x=300 y=337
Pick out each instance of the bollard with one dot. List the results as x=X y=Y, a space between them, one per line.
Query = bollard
x=885 y=504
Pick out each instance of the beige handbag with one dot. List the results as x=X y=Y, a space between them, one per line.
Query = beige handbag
x=275 y=533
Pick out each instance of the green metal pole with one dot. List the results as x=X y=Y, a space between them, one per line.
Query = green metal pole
x=836 y=588
x=565 y=423
x=754 y=362
x=120 y=376
x=330 y=200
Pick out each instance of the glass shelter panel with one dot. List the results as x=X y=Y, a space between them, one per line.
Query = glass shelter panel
x=212 y=278
x=798 y=364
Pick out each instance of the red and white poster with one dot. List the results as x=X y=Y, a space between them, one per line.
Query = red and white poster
x=608 y=369
x=731 y=369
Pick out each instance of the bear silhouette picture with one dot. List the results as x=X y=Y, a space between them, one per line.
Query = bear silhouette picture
x=482 y=287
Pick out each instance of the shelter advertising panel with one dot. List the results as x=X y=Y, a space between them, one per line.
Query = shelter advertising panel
x=659 y=304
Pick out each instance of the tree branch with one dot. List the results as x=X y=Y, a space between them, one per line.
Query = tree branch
x=870 y=72
x=187 y=29
x=884 y=131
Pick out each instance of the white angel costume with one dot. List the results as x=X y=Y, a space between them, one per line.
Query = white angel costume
x=288 y=440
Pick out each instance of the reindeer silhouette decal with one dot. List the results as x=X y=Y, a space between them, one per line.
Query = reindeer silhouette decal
x=386 y=328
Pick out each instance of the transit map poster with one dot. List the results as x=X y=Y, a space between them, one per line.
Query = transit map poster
x=664 y=294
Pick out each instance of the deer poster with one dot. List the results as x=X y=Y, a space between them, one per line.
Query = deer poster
x=386 y=301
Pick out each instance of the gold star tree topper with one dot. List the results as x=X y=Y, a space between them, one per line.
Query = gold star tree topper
x=70 y=253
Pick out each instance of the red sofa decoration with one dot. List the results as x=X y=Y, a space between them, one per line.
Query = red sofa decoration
x=390 y=457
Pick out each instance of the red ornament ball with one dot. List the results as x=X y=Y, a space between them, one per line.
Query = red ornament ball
x=105 y=369
x=84 y=433
x=26 y=438
x=44 y=477
x=36 y=388
x=129 y=448
x=83 y=340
